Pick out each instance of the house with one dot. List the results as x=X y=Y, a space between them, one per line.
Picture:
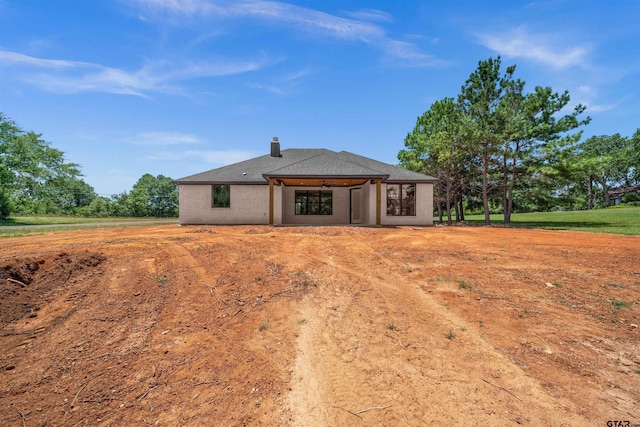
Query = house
x=616 y=194
x=307 y=187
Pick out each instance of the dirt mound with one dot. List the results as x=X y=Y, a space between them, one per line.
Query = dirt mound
x=25 y=283
x=17 y=296
x=307 y=326
x=21 y=271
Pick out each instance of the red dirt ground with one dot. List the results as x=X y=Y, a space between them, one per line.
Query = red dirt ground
x=302 y=326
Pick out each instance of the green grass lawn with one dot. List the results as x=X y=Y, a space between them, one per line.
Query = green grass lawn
x=614 y=220
x=14 y=226
x=53 y=220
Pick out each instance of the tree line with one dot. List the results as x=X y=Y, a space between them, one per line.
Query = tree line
x=499 y=149
x=35 y=179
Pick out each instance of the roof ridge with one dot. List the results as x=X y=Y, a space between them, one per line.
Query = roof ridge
x=332 y=158
x=306 y=159
x=366 y=160
x=299 y=161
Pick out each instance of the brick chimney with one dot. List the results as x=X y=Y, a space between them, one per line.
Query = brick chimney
x=275 y=147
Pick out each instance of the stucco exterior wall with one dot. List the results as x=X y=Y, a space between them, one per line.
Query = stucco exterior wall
x=249 y=205
x=424 y=207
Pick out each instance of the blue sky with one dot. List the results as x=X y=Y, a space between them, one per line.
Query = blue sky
x=177 y=87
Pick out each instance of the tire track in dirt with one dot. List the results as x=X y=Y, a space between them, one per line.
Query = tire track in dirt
x=335 y=374
x=211 y=351
x=192 y=274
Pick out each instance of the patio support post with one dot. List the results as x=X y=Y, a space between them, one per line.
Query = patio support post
x=270 y=201
x=378 y=199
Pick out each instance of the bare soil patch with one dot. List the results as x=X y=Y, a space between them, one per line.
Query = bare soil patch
x=301 y=326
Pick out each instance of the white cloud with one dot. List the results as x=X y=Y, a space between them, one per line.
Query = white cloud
x=269 y=88
x=309 y=20
x=546 y=48
x=599 y=108
x=410 y=54
x=588 y=96
x=428 y=39
x=163 y=138
x=302 y=18
x=297 y=75
x=283 y=84
x=370 y=15
x=108 y=80
x=170 y=7
x=9 y=57
x=64 y=76
x=586 y=89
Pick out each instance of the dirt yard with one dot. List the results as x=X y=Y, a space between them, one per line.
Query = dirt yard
x=313 y=326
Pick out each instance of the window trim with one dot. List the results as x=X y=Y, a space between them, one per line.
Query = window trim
x=213 y=196
x=401 y=200
x=321 y=201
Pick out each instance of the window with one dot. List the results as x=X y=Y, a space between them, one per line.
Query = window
x=221 y=196
x=314 y=203
x=401 y=199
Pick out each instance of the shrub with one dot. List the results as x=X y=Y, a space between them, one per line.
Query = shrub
x=6 y=206
x=630 y=197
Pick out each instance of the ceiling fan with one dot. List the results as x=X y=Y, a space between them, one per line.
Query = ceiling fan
x=325 y=184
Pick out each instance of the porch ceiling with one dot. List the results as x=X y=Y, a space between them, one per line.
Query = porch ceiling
x=319 y=182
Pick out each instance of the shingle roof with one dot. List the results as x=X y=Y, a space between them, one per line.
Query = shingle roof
x=395 y=173
x=304 y=163
x=327 y=164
